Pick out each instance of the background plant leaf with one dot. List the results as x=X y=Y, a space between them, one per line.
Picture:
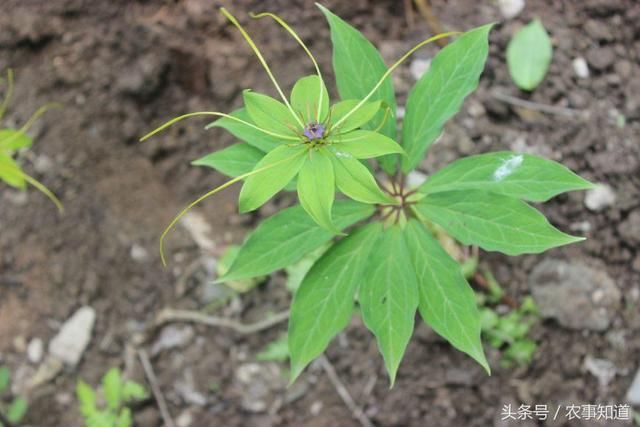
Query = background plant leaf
x=232 y=161
x=447 y=302
x=17 y=410
x=389 y=297
x=493 y=222
x=516 y=175
x=529 y=54
x=438 y=95
x=354 y=180
x=323 y=304
x=358 y=67
x=287 y=236
x=112 y=388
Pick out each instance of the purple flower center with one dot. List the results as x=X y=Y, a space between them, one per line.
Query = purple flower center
x=314 y=131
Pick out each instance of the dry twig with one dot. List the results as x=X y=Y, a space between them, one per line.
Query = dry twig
x=549 y=109
x=155 y=388
x=171 y=315
x=343 y=392
x=432 y=21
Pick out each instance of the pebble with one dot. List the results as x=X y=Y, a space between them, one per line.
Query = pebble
x=601 y=58
x=185 y=419
x=580 y=67
x=139 y=253
x=629 y=229
x=604 y=370
x=35 y=350
x=575 y=294
x=419 y=67
x=415 y=179
x=633 y=394
x=74 y=336
x=599 y=198
x=172 y=337
x=257 y=383
x=510 y=8
x=199 y=230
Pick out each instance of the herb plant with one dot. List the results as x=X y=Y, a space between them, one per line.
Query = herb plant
x=380 y=251
x=117 y=394
x=16 y=408
x=13 y=140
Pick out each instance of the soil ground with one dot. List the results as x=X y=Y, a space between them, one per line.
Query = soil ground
x=122 y=67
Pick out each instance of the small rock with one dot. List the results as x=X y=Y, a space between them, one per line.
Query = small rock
x=576 y=295
x=316 y=408
x=604 y=370
x=400 y=112
x=601 y=58
x=633 y=394
x=185 y=419
x=415 y=179
x=580 y=67
x=73 y=338
x=599 y=198
x=172 y=337
x=510 y=8
x=139 y=253
x=629 y=229
x=419 y=67
x=199 y=229
x=35 y=350
x=43 y=164
x=598 y=30
x=258 y=383
x=624 y=69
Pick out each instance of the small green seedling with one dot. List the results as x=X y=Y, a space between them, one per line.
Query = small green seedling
x=381 y=251
x=116 y=394
x=14 y=411
x=509 y=332
x=13 y=140
x=529 y=54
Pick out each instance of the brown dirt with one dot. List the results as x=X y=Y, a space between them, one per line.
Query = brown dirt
x=122 y=67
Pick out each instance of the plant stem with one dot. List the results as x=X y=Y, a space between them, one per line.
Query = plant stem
x=4 y=421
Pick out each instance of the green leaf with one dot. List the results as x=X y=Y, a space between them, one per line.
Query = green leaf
x=389 y=297
x=251 y=136
x=447 y=302
x=493 y=222
x=232 y=161
x=125 y=419
x=257 y=189
x=438 y=95
x=132 y=391
x=358 y=67
x=11 y=173
x=269 y=113
x=316 y=189
x=354 y=180
x=17 y=410
x=516 y=175
x=276 y=351
x=5 y=378
x=305 y=98
x=364 y=144
x=112 y=388
x=529 y=55
x=359 y=118
x=12 y=140
x=87 y=398
x=323 y=304
x=287 y=236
